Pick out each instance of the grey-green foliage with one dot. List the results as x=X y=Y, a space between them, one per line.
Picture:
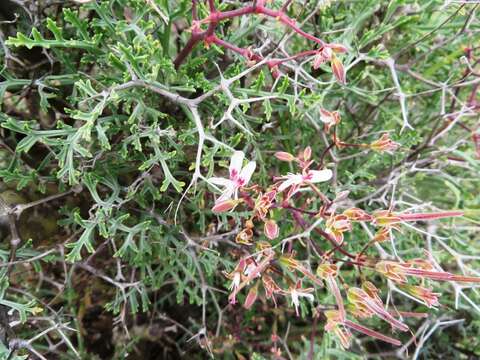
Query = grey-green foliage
x=100 y=122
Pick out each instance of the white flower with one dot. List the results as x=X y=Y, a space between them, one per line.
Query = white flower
x=237 y=277
x=239 y=176
x=297 y=292
x=310 y=176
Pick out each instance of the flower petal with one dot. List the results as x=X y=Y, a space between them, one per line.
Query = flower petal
x=236 y=164
x=227 y=193
x=247 y=172
x=306 y=295
x=219 y=181
x=320 y=175
x=286 y=184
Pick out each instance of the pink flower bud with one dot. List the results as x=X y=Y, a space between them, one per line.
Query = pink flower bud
x=271 y=229
x=382 y=235
x=426 y=295
x=251 y=297
x=284 y=156
x=385 y=218
x=384 y=144
x=224 y=206
x=338 y=69
x=307 y=153
x=356 y=214
x=338 y=48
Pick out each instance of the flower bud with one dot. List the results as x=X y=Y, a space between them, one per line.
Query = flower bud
x=284 y=156
x=224 y=206
x=384 y=144
x=425 y=294
x=251 y=297
x=385 y=218
x=271 y=229
x=326 y=270
x=356 y=214
x=307 y=153
x=338 y=69
x=338 y=48
x=382 y=235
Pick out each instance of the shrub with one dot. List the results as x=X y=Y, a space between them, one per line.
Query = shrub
x=134 y=226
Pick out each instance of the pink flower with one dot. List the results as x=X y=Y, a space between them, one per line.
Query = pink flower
x=238 y=178
x=327 y=53
x=308 y=176
x=236 y=276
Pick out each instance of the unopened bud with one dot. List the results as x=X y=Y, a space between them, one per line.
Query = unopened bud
x=284 y=156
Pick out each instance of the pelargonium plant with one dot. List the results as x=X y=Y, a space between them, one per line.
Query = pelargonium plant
x=239 y=179
x=271 y=263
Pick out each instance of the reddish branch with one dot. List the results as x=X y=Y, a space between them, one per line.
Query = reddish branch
x=215 y=17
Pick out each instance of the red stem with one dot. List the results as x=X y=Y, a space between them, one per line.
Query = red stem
x=216 y=16
x=336 y=246
x=211 y=5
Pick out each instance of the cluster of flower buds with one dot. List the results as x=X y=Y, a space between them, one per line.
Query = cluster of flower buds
x=365 y=303
x=328 y=53
x=270 y=272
